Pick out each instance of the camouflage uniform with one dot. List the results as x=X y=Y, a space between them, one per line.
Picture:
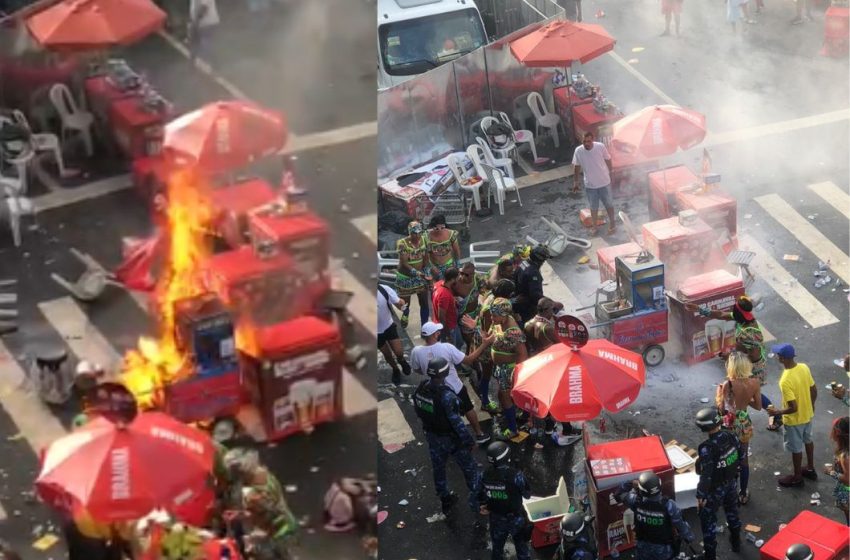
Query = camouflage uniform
x=438 y=407
x=718 y=466
x=502 y=489
x=646 y=548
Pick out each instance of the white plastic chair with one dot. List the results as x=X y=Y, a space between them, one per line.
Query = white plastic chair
x=506 y=150
x=475 y=153
x=544 y=118
x=521 y=136
x=457 y=166
x=17 y=185
x=505 y=164
x=484 y=259
x=500 y=184
x=16 y=208
x=73 y=118
x=43 y=141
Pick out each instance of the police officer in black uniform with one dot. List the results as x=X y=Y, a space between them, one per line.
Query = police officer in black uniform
x=799 y=552
x=502 y=490
x=529 y=284
x=577 y=541
x=658 y=521
x=438 y=408
x=717 y=466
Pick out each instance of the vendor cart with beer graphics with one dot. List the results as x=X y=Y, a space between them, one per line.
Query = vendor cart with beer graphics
x=293 y=373
x=631 y=311
x=208 y=388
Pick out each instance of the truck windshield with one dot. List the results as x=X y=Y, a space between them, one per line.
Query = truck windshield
x=417 y=45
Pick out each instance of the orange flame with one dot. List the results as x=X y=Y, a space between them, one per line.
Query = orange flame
x=158 y=362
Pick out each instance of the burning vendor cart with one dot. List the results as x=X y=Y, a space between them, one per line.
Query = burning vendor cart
x=205 y=386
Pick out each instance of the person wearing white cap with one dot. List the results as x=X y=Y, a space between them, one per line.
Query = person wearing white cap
x=421 y=355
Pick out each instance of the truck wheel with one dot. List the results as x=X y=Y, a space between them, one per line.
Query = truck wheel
x=223 y=430
x=653 y=355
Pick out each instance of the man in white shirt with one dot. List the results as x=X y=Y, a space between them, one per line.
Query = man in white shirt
x=421 y=355
x=203 y=16
x=389 y=343
x=593 y=161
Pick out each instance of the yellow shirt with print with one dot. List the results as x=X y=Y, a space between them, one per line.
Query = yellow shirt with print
x=795 y=384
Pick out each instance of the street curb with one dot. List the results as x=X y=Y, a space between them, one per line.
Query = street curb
x=95 y=189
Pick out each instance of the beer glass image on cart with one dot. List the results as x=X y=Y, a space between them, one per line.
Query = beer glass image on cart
x=302 y=394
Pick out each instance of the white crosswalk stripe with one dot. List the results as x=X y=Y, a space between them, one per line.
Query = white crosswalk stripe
x=393 y=429
x=833 y=195
x=780 y=280
x=807 y=234
x=35 y=422
x=82 y=337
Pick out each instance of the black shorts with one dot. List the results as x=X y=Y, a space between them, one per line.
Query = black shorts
x=465 y=403
x=390 y=334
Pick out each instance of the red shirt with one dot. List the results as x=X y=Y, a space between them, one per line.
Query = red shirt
x=443 y=299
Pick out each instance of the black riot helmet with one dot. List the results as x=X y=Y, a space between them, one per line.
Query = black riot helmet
x=498 y=453
x=648 y=484
x=572 y=526
x=539 y=254
x=438 y=368
x=707 y=419
x=799 y=552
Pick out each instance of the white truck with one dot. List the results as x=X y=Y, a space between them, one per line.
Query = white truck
x=415 y=36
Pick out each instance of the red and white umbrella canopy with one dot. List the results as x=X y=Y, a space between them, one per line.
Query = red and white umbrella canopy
x=574 y=385
x=659 y=130
x=120 y=473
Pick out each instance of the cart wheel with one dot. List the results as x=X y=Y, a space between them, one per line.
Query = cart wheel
x=223 y=430
x=653 y=355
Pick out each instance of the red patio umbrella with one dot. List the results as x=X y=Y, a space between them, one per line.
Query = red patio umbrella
x=94 y=24
x=576 y=384
x=561 y=44
x=659 y=130
x=122 y=473
x=225 y=135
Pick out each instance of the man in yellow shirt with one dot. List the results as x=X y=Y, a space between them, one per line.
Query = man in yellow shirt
x=799 y=394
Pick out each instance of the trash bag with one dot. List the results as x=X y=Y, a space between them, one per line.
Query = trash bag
x=352 y=503
x=498 y=134
x=14 y=140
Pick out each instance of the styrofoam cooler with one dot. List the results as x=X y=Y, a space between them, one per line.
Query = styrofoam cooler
x=610 y=464
x=546 y=514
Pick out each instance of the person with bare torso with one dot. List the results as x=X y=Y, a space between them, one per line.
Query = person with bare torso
x=469 y=288
x=735 y=396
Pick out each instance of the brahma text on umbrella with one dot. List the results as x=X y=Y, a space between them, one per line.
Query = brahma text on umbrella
x=576 y=389
x=183 y=441
x=612 y=357
x=120 y=481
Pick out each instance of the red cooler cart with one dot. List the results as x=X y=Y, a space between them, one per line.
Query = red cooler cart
x=294 y=375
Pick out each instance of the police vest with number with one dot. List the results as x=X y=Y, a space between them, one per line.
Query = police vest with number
x=429 y=408
x=724 y=454
x=503 y=496
x=652 y=523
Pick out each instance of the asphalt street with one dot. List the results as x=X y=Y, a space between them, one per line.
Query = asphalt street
x=288 y=58
x=738 y=84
